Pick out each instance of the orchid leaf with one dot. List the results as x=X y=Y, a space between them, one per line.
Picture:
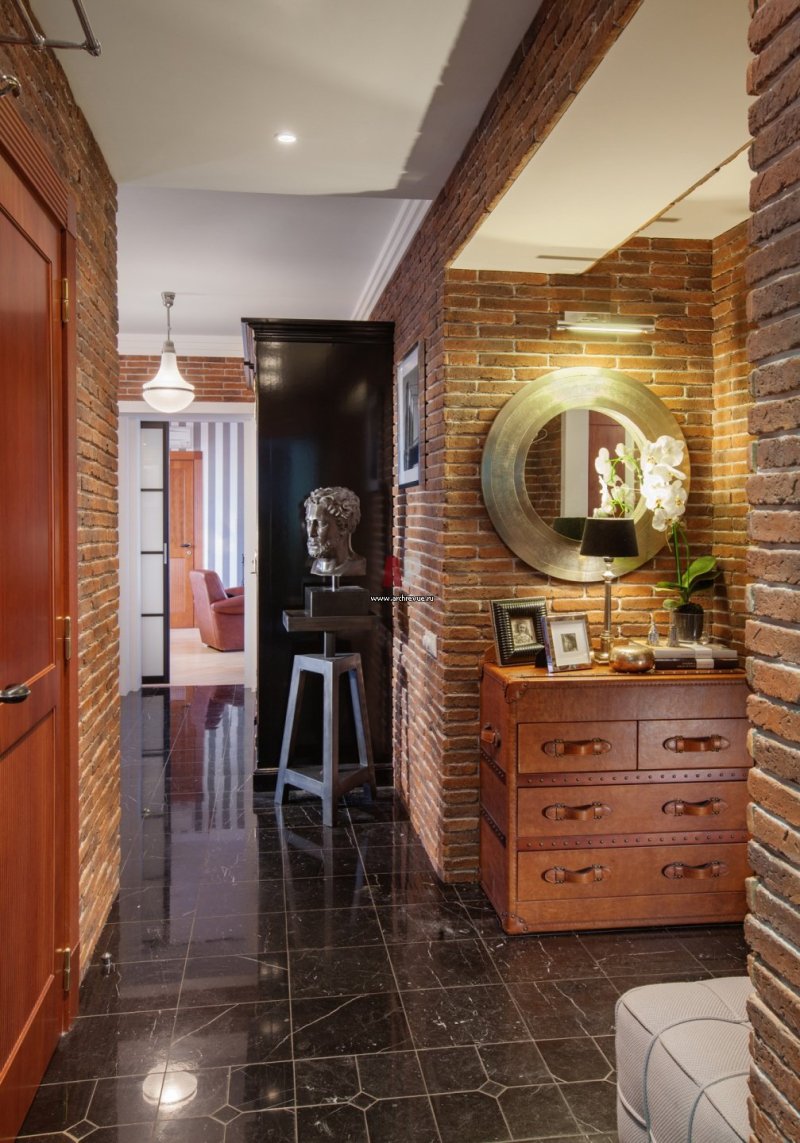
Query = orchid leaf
x=702 y=566
x=700 y=585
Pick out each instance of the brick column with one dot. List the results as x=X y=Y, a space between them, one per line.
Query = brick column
x=773 y=271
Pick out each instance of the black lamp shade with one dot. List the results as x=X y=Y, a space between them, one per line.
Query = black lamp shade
x=611 y=538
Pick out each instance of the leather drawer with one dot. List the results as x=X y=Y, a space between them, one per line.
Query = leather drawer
x=569 y=811
x=701 y=743
x=575 y=746
x=558 y=916
x=576 y=874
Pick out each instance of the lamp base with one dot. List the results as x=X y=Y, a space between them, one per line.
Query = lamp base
x=603 y=654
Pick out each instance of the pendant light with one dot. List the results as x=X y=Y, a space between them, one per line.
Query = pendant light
x=168 y=392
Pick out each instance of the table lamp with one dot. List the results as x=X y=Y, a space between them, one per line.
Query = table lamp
x=611 y=538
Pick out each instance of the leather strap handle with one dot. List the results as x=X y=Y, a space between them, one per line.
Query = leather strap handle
x=711 y=742
x=559 y=812
x=679 y=808
x=558 y=747
x=558 y=875
x=490 y=736
x=679 y=870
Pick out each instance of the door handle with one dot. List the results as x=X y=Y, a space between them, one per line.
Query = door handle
x=16 y=693
x=186 y=545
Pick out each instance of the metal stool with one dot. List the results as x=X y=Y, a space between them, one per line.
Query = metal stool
x=331 y=785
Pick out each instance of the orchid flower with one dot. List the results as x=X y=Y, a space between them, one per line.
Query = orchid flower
x=662 y=489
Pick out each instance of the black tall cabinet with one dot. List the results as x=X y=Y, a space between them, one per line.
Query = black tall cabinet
x=323 y=400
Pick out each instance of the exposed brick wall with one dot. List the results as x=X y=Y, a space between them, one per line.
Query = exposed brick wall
x=486 y=335
x=214 y=378
x=543 y=477
x=500 y=333
x=732 y=441
x=49 y=110
x=435 y=758
x=773 y=274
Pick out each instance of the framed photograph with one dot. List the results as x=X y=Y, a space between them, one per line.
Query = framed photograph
x=410 y=404
x=519 y=631
x=566 y=642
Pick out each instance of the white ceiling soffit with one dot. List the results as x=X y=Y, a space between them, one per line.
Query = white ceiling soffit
x=720 y=202
x=227 y=255
x=665 y=107
x=382 y=95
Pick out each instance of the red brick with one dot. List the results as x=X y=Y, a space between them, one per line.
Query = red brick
x=48 y=107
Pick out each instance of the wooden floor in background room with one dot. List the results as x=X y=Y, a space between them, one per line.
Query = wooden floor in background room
x=193 y=664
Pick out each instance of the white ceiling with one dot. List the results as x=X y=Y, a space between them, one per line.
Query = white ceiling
x=185 y=101
x=187 y=96
x=665 y=108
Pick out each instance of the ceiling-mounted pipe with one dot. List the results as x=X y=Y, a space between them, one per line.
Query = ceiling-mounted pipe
x=35 y=39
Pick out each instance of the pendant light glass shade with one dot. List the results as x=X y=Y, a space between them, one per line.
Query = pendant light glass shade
x=168 y=392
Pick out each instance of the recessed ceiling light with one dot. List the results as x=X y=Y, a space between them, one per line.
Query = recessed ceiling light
x=286 y=137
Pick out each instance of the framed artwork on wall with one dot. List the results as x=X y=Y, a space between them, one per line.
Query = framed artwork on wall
x=519 y=631
x=566 y=641
x=410 y=405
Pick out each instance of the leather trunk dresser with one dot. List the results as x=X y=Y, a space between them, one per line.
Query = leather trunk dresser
x=611 y=801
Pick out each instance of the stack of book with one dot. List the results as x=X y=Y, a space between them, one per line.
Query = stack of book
x=695 y=657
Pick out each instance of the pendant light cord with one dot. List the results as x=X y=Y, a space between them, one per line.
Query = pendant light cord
x=168 y=299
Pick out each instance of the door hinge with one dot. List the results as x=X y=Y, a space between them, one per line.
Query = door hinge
x=66 y=968
x=67 y=638
x=64 y=301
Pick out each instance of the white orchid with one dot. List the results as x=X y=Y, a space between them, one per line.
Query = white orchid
x=662 y=488
x=665 y=454
x=603 y=467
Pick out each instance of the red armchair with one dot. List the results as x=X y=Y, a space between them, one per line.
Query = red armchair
x=219 y=611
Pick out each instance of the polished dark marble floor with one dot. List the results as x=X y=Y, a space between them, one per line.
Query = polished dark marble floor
x=263 y=978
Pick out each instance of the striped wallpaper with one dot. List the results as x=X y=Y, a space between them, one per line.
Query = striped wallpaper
x=222 y=446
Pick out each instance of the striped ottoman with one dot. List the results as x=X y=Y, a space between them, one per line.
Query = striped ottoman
x=683 y=1059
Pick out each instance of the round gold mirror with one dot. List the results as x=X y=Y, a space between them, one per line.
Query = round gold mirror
x=538 y=476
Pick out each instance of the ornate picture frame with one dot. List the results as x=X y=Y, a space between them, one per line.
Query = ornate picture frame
x=410 y=419
x=519 y=631
x=566 y=641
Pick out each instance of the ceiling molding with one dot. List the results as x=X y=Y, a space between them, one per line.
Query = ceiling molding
x=274 y=331
x=200 y=345
x=197 y=411
x=406 y=224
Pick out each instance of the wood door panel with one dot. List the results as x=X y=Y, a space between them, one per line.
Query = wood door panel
x=27 y=779
x=36 y=875
x=185 y=528
x=26 y=470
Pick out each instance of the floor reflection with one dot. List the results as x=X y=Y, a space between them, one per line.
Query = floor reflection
x=262 y=977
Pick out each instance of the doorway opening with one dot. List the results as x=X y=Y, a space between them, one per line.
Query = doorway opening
x=207 y=509
x=206 y=533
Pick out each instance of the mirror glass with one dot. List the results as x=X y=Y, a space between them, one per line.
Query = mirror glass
x=537 y=473
x=560 y=477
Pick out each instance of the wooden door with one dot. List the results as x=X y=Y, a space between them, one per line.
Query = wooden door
x=604 y=432
x=35 y=731
x=185 y=532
